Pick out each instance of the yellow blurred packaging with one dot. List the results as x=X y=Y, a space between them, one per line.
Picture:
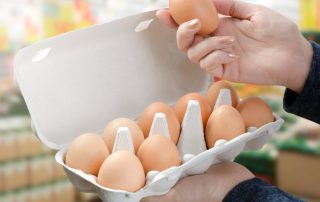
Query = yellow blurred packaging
x=310 y=15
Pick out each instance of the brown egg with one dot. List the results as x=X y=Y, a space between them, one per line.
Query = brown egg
x=158 y=153
x=111 y=129
x=214 y=90
x=122 y=171
x=255 y=112
x=146 y=119
x=224 y=123
x=204 y=10
x=87 y=152
x=182 y=104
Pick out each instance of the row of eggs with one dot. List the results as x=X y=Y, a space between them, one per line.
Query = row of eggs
x=123 y=170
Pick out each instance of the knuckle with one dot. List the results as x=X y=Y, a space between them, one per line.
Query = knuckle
x=203 y=64
x=192 y=57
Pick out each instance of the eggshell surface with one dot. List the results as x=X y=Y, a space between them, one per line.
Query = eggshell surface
x=87 y=152
x=204 y=10
x=123 y=171
x=146 y=119
x=224 y=123
x=214 y=90
x=111 y=129
x=182 y=104
x=158 y=153
x=255 y=112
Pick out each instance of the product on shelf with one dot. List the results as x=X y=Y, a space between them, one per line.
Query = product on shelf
x=7 y=146
x=40 y=170
x=14 y=175
x=63 y=191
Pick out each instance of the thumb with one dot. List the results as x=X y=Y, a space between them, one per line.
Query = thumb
x=235 y=8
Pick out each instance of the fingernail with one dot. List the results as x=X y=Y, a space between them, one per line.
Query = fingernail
x=234 y=55
x=193 y=23
x=216 y=78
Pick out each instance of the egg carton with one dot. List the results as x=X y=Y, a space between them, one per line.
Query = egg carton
x=79 y=81
x=196 y=159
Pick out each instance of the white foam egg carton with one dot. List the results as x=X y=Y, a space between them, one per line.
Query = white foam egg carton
x=80 y=81
x=196 y=159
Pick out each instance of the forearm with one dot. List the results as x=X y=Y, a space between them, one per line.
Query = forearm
x=307 y=103
x=255 y=190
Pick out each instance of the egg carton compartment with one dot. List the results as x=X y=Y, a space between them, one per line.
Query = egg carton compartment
x=196 y=159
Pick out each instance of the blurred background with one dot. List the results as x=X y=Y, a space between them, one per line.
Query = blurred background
x=28 y=171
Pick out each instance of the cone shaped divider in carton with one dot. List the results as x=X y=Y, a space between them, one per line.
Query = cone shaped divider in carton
x=123 y=141
x=191 y=140
x=160 y=125
x=224 y=98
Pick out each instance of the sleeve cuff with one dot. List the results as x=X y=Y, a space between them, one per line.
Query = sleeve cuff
x=256 y=190
x=307 y=103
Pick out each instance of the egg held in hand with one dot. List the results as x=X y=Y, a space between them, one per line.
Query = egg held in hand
x=182 y=104
x=146 y=119
x=224 y=123
x=87 y=152
x=255 y=112
x=214 y=90
x=204 y=10
x=122 y=170
x=158 y=153
x=111 y=130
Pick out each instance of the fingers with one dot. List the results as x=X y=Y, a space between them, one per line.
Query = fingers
x=186 y=34
x=235 y=8
x=213 y=53
x=204 y=47
x=215 y=61
x=165 y=17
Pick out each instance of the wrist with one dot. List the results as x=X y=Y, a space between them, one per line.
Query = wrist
x=299 y=72
x=227 y=176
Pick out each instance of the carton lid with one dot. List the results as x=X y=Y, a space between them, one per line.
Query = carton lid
x=79 y=81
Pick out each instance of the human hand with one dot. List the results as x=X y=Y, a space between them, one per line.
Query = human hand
x=254 y=45
x=211 y=186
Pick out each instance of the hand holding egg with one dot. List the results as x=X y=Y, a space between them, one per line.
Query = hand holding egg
x=236 y=50
x=203 y=10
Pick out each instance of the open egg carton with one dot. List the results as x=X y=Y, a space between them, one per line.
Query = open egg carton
x=196 y=159
x=79 y=81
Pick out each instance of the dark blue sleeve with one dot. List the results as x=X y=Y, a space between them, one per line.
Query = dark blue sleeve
x=307 y=103
x=256 y=190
